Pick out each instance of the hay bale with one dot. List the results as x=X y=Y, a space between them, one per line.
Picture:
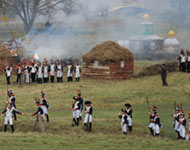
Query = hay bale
x=154 y=69
x=108 y=51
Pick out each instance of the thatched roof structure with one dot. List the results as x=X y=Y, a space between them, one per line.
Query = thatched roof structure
x=108 y=51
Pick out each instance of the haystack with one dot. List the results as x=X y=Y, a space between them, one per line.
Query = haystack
x=108 y=51
x=108 y=61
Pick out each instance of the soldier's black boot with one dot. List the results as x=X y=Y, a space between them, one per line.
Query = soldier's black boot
x=125 y=133
x=47 y=117
x=78 y=121
x=5 y=128
x=130 y=129
x=157 y=135
x=80 y=117
x=85 y=127
x=15 y=116
x=12 y=128
x=74 y=121
x=90 y=127
x=178 y=135
x=151 y=131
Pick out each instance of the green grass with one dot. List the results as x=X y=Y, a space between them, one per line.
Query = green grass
x=108 y=97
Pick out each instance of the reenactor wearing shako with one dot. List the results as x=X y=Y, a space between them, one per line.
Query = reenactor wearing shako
x=77 y=72
x=81 y=102
x=152 y=123
x=52 y=71
x=45 y=104
x=129 y=116
x=33 y=72
x=39 y=73
x=18 y=72
x=76 y=110
x=124 y=121
x=70 y=72
x=88 y=116
x=45 y=71
x=12 y=101
x=182 y=126
x=39 y=116
x=176 y=121
x=8 y=71
x=157 y=124
x=9 y=110
x=59 y=70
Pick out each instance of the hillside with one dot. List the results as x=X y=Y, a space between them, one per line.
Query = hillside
x=108 y=97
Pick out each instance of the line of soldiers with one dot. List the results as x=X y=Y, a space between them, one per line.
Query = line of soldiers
x=77 y=110
x=41 y=72
x=126 y=118
x=180 y=123
x=184 y=61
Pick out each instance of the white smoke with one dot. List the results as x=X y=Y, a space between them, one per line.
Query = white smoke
x=76 y=34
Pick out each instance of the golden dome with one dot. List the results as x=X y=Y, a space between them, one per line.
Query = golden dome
x=146 y=17
x=171 y=33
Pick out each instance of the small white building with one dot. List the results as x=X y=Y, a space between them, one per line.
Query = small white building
x=171 y=44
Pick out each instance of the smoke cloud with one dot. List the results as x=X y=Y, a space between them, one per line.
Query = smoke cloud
x=95 y=22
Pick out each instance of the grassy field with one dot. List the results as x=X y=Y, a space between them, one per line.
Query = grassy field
x=108 y=97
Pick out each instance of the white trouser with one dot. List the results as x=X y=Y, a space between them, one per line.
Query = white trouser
x=69 y=73
x=76 y=113
x=152 y=125
x=129 y=121
x=59 y=74
x=8 y=120
x=77 y=75
x=45 y=75
x=157 y=129
x=182 y=131
x=124 y=127
x=27 y=79
x=88 y=118
x=44 y=108
x=176 y=127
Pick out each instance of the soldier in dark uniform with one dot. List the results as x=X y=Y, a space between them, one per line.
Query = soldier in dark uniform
x=151 y=118
x=164 y=74
x=157 y=124
x=39 y=116
x=45 y=103
x=76 y=111
x=12 y=101
x=19 y=73
x=124 y=121
x=88 y=116
x=129 y=116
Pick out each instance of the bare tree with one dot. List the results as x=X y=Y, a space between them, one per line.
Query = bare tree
x=28 y=10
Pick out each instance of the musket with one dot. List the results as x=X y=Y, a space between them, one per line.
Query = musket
x=148 y=103
x=181 y=105
x=175 y=107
